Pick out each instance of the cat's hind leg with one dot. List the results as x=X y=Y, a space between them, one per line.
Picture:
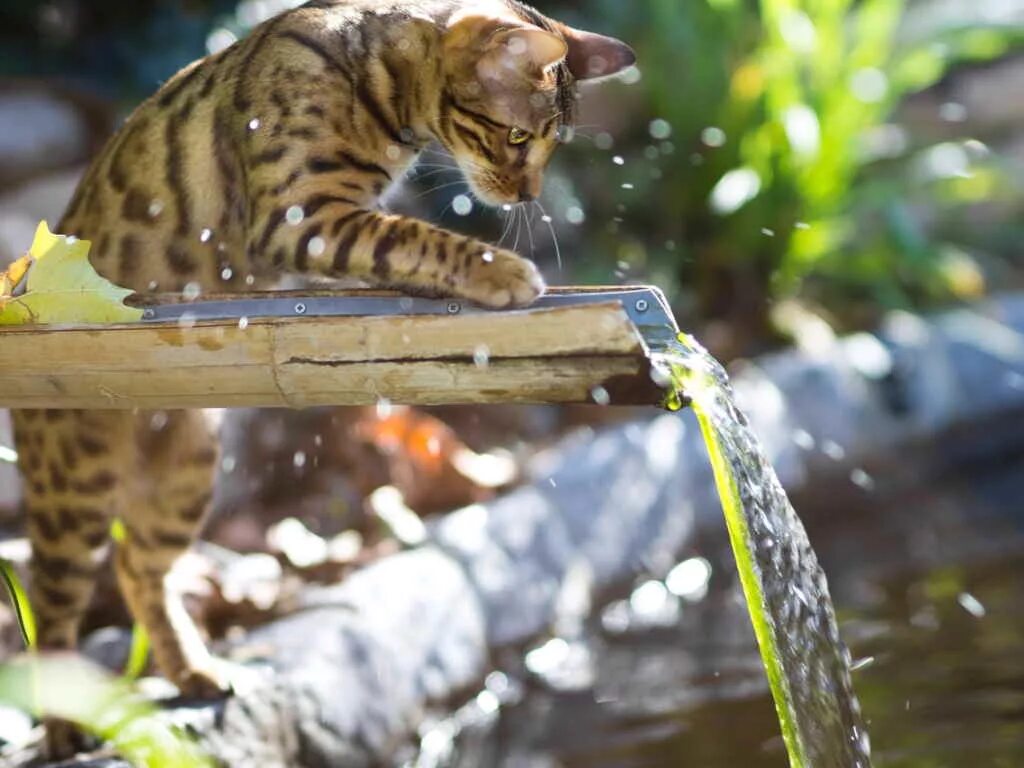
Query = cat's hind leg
x=164 y=510
x=71 y=464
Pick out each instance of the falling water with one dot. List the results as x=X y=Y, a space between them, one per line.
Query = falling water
x=807 y=665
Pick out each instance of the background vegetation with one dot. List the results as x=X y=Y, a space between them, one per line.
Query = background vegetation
x=760 y=155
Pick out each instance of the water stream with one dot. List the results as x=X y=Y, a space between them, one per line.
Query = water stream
x=808 y=666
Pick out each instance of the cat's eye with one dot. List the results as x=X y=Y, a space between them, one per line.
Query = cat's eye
x=518 y=136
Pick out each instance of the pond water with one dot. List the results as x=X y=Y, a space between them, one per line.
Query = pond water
x=927 y=572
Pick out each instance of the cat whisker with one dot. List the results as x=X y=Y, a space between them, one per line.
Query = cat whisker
x=529 y=230
x=439 y=187
x=554 y=237
x=517 y=211
x=507 y=215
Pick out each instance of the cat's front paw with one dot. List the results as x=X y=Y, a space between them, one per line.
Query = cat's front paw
x=502 y=279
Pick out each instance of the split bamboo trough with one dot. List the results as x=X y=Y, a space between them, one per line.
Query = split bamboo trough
x=298 y=350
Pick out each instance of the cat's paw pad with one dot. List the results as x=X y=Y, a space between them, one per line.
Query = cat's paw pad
x=502 y=279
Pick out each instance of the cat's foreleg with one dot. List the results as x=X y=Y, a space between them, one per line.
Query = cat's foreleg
x=404 y=253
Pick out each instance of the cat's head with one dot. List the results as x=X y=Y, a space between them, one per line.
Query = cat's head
x=509 y=93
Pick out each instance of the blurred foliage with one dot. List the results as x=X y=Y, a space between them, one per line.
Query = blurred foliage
x=761 y=156
x=791 y=177
x=73 y=689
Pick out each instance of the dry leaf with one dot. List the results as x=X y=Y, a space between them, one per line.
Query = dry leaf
x=11 y=279
x=61 y=286
x=427 y=460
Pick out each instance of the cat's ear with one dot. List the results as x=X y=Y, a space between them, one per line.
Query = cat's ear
x=505 y=45
x=528 y=46
x=593 y=56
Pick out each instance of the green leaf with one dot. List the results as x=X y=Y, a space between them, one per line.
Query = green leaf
x=63 y=287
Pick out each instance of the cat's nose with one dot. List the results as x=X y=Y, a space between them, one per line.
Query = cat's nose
x=529 y=189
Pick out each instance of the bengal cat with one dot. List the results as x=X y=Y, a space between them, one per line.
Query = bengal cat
x=267 y=159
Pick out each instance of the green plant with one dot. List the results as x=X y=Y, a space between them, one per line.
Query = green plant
x=72 y=688
x=786 y=175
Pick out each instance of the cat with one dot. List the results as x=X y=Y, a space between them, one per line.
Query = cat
x=264 y=160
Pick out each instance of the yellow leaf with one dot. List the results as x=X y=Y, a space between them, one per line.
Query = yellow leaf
x=10 y=279
x=63 y=287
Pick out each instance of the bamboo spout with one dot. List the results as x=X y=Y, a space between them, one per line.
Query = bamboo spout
x=307 y=349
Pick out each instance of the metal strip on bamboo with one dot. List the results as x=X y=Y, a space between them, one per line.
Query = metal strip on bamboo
x=564 y=354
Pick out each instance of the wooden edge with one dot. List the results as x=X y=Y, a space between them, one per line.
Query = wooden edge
x=574 y=354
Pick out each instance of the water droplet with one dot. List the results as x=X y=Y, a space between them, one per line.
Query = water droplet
x=250 y=279
x=517 y=46
x=860 y=664
x=506 y=207
x=862 y=479
x=497 y=683
x=653 y=604
x=155 y=209
x=803 y=439
x=803 y=225
x=226 y=274
x=191 y=291
x=619 y=160
x=482 y=356
x=219 y=39
x=393 y=152
x=833 y=450
x=575 y=215
x=206 y=235
x=488 y=257
x=487 y=702
x=153 y=285
x=767 y=232
x=972 y=605
x=254 y=124
x=604 y=141
x=317 y=246
x=462 y=205
x=690 y=579
x=600 y=396
x=546 y=219
x=953 y=112
x=299 y=459
x=713 y=136
x=243 y=323
x=734 y=190
x=660 y=129
x=869 y=85
x=628 y=186
x=384 y=409
x=295 y=215
x=158 y=421
x=228 y=464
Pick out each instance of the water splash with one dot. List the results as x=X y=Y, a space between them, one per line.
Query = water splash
x=807 y=665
